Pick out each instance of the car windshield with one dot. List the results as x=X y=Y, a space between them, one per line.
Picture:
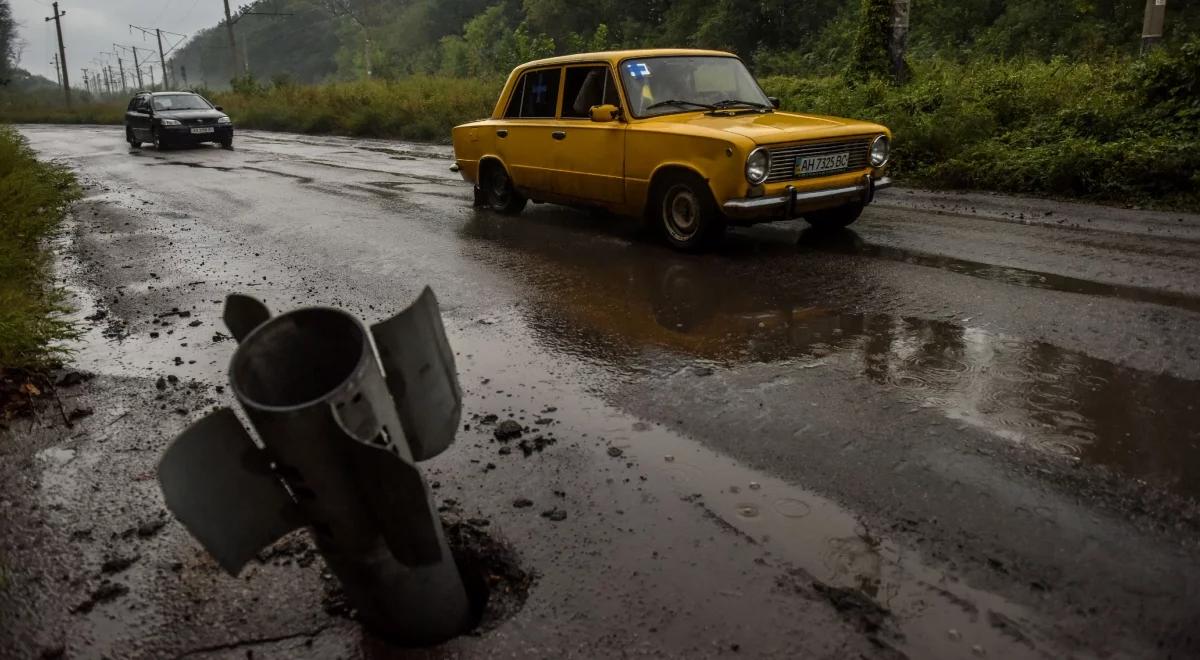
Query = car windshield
x=665 y=85
x=180 y=102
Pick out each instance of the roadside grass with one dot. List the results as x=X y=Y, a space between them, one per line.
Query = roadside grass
x=1116 y=129
x=38 y=111
x=414 y=108
x=36 y=196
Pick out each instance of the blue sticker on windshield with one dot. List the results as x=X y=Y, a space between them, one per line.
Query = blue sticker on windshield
x=638 y=70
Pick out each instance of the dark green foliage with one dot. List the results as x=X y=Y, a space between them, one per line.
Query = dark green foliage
x=35 y=197
x=1110 y=129
x=870 y=55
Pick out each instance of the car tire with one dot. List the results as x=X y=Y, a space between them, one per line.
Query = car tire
x=686 y=214
x=160 y=142
x=838 y=217
x=499 y=193
x=227 y=144
x=134 y=143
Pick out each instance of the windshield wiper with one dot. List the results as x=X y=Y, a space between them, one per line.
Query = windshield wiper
x=732 y=102
x=677 y=102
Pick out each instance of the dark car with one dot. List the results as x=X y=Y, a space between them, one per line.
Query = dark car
x=173 y=118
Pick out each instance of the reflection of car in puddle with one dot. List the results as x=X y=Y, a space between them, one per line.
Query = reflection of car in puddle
x=637 y=308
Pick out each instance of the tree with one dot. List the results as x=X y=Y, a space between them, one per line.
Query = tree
x=870 y=57
x=8 y=43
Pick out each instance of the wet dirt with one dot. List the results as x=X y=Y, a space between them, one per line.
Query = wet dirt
x=936 y=434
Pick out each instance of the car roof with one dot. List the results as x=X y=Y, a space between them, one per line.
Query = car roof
x=615 y=56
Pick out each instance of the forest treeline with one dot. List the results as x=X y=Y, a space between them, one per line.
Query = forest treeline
x=312 y=41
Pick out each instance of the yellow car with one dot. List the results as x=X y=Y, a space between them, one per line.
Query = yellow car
x=684 y=138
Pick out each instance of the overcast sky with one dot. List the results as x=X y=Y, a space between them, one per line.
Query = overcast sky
x=92 y=26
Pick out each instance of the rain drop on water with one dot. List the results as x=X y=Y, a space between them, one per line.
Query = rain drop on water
x=747 y=510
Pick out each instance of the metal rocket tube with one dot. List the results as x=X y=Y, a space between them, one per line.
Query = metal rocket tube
x=330 y=422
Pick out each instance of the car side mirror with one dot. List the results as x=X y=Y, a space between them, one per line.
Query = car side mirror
x=219 y=108
x=605 y=113
x=774 y=101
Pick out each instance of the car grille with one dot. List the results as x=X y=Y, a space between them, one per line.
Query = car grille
x=199 y=122
x=783 y=159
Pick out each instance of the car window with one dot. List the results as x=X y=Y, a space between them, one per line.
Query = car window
x=133 y=103
x=180 y=102
x=536 y=95
x=585 y=87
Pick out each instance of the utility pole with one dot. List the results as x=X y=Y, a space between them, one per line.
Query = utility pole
x=1152 y=26
x=232 y=41
x=62 y=51
x=898 y=45
x=138 y=67
x=367 y=51
x=243 y=67
x=162 y=59
x=120 y=66
x=86 y=85
x=57 y=73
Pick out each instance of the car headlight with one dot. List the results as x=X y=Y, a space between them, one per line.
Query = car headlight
x=169 y=122
x=880 y=150
x=223 y=120
x=758 y=165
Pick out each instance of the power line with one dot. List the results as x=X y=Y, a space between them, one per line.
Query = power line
x=162 y=55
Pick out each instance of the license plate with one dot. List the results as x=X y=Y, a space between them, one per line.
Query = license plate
x=201 y=130
x=810 y=165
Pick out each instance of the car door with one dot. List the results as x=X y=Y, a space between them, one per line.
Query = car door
x=139 y=117
x=525 y=140
x=589 y=157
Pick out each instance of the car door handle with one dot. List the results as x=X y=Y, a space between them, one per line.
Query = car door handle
x=502 y=133
x=559 y=135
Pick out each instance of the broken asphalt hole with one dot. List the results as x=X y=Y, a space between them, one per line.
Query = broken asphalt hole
x=497 y=587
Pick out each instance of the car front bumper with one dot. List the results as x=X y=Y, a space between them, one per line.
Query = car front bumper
x=793 y=203
x=220 y=133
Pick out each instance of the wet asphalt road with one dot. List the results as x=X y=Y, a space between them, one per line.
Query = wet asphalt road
x=979 y=412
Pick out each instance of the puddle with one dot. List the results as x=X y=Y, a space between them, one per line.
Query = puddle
x=805 y=537
x=649 y=312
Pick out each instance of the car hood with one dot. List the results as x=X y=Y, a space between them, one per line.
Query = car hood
x=775 y=127
x=189 y=114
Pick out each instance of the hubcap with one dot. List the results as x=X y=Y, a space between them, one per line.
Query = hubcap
x=681 y=213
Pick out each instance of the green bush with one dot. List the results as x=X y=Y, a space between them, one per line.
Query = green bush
x=1111 y=129
x=414 y=108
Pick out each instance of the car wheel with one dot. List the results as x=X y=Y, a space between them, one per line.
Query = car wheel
x=687 y=214
x=133 y=142
x=227 y=144
x=499 y=193
x=160 y=142
x=835 y=218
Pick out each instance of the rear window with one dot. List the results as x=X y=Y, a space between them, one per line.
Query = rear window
x=535 y=95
